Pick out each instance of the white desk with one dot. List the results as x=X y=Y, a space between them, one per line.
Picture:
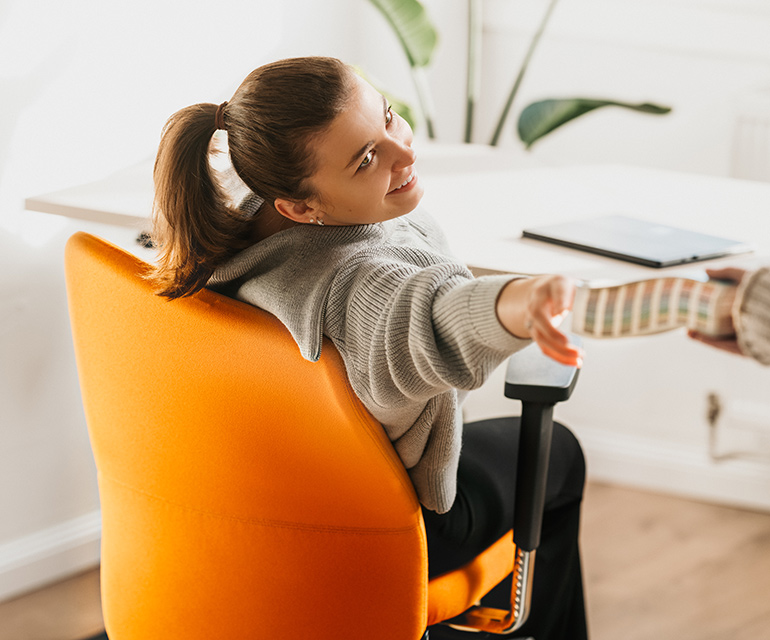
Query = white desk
x=640 y=406
x=123 y=199
x=484 y=212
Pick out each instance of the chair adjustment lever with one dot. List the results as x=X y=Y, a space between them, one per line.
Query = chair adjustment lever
x=501 y=621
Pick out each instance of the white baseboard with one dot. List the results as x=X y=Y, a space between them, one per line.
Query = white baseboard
x=675 y=469
x=45 y=556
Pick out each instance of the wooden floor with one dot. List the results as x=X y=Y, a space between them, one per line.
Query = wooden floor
x=67 y=610
x=656 y=568
x=660 y=568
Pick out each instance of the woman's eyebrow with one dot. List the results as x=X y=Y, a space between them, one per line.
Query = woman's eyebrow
x=365 y=148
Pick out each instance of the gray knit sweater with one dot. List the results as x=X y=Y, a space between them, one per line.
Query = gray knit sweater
x=413 y=326
x=751 y=315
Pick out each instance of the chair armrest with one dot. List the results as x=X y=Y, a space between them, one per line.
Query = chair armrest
x=534 y=377
x=539 y=382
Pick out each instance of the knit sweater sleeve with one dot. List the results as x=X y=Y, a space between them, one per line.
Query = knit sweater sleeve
x=752 y=315
x=409 y=332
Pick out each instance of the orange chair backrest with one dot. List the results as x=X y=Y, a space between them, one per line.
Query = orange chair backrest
x=245 y=492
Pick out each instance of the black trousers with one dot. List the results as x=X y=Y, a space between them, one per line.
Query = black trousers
x=483 y=512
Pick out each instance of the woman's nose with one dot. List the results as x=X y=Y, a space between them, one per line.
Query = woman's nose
x=404 y=156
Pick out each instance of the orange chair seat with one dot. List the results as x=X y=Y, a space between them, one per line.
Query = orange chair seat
x=246 y=493
x=452 y=593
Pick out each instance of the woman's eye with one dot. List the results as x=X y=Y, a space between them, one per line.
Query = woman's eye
x=368 y=158
x=389 y=116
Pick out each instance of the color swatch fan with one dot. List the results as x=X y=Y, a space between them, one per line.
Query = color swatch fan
x=652 y=306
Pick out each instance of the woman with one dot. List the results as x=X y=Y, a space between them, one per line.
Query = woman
x=333 y=244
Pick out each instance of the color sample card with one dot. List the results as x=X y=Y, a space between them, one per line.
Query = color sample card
x=653 y=306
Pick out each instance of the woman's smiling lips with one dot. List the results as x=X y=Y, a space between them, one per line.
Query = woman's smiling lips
x=406 y=185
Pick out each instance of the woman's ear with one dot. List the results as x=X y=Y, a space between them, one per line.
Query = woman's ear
x=299 y=211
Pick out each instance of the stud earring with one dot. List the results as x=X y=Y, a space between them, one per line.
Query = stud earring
x=320 y=222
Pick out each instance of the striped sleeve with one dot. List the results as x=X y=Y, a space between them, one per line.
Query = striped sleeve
x=752 y=315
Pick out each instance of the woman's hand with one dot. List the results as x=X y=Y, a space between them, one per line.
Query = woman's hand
x=728 y=343
x=534 y=308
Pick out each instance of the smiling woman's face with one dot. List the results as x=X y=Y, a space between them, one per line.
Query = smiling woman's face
x=365 y=163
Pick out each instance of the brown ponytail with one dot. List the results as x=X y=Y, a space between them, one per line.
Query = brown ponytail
x=193 y=226
x=269 y=121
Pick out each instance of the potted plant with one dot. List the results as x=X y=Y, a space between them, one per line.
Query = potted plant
x=418 y=38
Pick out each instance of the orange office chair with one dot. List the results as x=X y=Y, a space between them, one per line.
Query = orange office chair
x=245 y=492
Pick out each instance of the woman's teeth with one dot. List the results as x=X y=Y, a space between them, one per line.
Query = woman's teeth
x=406 y=182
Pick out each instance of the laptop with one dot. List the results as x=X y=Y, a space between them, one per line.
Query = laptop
x=633 y=240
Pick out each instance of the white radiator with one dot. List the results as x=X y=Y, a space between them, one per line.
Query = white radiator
x=751 y=137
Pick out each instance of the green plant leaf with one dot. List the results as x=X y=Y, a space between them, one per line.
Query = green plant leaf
x=522 y=71
x=412 y=26
x=540 y=118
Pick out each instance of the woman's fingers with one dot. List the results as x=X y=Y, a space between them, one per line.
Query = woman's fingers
x=571 y=358
x=556 y=345
x=549 y=305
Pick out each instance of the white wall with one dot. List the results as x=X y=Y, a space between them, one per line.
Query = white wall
x=698 y=57
x=704 y=58
x=86 y=85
